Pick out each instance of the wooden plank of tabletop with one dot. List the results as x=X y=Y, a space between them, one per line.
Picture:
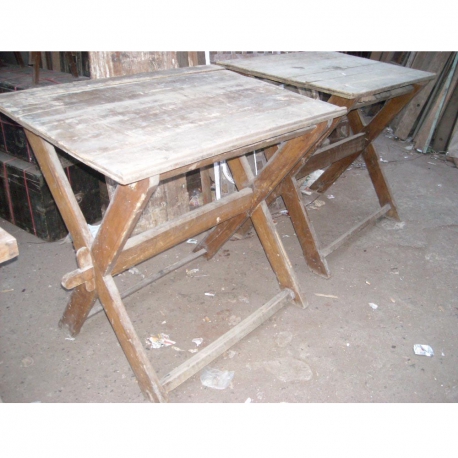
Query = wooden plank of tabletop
x=131 y=128
x=329 y=72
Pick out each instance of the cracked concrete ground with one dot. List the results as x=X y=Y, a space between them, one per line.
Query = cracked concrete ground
x=339 y=349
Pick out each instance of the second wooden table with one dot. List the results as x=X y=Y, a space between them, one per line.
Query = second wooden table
x=350 y=82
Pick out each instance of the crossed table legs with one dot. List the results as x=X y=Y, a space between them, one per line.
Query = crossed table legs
x=337 y=158
x=113 y=251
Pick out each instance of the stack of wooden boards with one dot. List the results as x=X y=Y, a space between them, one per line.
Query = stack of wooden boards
x=430 y=119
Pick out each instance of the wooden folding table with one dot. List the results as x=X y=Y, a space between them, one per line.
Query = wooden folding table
x=345 y=81
x=142 y=129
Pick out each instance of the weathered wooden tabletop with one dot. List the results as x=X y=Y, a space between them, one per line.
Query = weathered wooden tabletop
x=329 y=72
x=135 y=127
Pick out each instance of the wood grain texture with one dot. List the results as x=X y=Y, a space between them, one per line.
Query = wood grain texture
x=303 y=228
x=445 y=126
x=8 y=246
x=430 y=61
x=157 y=240
x=131 y=128
x=106 y=64
x=329 y=72
x=334 y=152
x=283 y=161
x=422 y=138
x=129 y=340
x=171 y=198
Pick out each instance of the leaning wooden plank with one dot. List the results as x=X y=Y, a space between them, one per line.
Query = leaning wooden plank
x=410 y=59
x=8 y=246
x=387 y=56
x=445 y=126
x=376 y=55
x=453 y=144
x=409 y=114
x=104 y=64
x=186 y=370
x=433 y=96
x=423 y=138
x=354 y=230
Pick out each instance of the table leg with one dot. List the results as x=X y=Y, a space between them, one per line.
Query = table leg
x=280 y=165
x=391 y=108
x=304 y=230
x=81 y=300
x=264 y=184
x=119 y=221
x=376 y=174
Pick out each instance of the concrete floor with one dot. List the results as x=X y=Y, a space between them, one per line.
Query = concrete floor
x=339 y=349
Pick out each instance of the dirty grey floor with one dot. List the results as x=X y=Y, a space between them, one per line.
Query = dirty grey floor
x=340 y=349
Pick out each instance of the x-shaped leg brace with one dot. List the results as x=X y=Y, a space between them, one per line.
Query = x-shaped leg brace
x=112 y=252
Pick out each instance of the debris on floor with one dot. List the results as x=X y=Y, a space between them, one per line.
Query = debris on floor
x=389 y=132
x=316 y=204
x=423 y=350
x=28 y=361
x=197 y=341
x=135 y=271
x=234 y=320
x=289 y=369
x=229 y=354
x=284 y=338
x=309 y=180
x=191 y=272
x=373 y=306
x=214 y=378
x=159 y=341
